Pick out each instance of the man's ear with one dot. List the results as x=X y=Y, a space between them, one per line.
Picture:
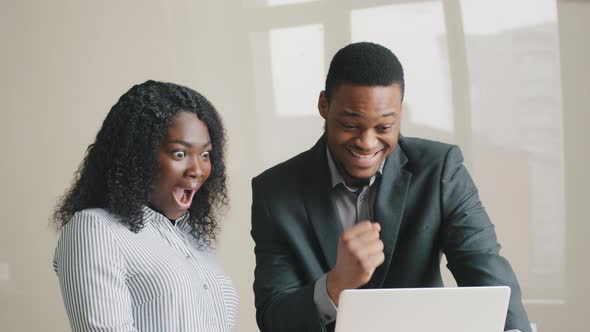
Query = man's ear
x=323 y=105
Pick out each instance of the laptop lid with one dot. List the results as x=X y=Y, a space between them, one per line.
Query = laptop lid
x=458 y=309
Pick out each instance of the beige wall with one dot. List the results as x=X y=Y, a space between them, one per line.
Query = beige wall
x=64 y=63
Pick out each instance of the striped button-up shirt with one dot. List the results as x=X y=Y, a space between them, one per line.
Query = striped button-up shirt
x=158 y=279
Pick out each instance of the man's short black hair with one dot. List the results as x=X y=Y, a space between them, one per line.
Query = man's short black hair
x=366 y=64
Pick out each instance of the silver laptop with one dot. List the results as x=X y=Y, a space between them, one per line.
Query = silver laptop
x=463 y=309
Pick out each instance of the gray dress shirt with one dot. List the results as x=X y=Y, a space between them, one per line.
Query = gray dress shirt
x=354 y=205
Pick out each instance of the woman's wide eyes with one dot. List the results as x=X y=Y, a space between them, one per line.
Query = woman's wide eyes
x=179 y=154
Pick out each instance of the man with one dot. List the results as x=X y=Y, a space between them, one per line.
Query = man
x=367 y=207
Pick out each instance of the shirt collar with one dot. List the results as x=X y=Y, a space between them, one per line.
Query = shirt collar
x=150 y=215
x=337 y=177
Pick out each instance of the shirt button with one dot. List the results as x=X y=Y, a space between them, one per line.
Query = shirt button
x=188 y=256
x=205 y=287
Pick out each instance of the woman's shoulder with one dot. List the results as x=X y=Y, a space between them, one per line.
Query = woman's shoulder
x=95 y=214
x=89 y=233
x=93 y=220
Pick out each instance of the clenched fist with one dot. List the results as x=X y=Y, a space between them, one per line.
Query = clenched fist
x=360 y=252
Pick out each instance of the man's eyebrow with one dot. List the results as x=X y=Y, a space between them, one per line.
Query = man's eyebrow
x=353 y=114
x=361 y=115
x=394 y=114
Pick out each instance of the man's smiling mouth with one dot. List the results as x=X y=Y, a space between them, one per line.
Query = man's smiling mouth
x=364 y=156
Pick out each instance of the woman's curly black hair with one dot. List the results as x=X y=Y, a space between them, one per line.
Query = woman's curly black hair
x=120 y=167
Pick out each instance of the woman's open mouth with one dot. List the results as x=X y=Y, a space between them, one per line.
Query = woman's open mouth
x=183 y=197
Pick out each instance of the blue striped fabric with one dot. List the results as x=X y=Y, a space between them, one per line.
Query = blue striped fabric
x=113 y=279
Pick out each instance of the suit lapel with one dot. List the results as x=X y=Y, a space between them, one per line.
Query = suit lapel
x=389 y=208
x=318 y=202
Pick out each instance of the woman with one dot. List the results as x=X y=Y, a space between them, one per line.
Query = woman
x=135 y=247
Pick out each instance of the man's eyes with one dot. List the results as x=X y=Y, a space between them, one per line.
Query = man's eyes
x=349 y=125
x=383 y=128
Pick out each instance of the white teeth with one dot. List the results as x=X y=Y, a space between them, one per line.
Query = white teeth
x=361 y=156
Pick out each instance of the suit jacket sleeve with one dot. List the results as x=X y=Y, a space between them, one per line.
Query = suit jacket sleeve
x=468 y=239
x=283 y=302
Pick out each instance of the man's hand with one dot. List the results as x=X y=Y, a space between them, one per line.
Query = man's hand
x=360 y=252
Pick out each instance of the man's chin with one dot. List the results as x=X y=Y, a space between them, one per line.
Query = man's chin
x=361 y=178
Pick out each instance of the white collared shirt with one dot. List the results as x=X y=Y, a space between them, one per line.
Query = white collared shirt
x=158 y=279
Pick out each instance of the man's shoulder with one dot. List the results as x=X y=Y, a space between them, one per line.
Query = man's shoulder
x=423 y=145
x=284 y=172
x=422 y=152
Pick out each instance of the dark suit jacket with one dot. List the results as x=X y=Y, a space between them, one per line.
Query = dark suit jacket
x=427 y=204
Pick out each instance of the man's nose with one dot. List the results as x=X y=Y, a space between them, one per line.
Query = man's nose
x=367 y=140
